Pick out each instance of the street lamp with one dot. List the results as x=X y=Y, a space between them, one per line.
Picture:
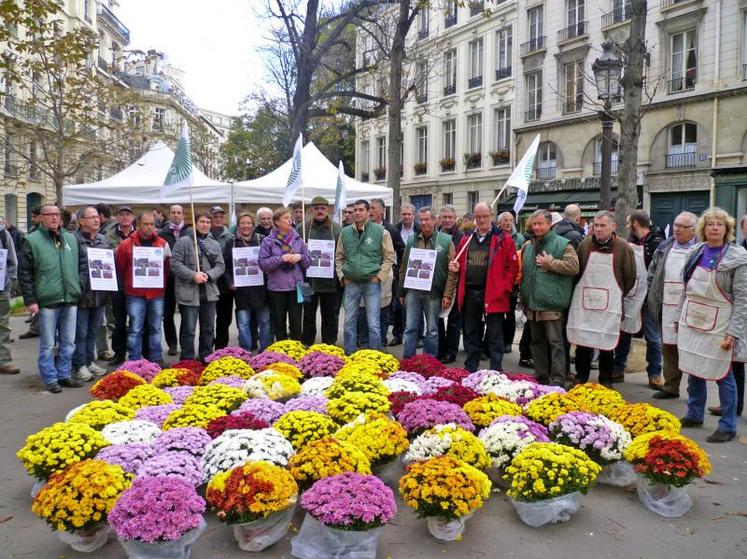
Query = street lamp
x=607 y=72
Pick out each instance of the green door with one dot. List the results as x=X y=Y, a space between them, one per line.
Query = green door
x=665 y=207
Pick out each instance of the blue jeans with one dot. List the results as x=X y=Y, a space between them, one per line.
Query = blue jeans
x=89 y=321
x=418 y=303
x=653 y=347
x=140 y=310
x=371 y=294
x=54 y=321
x=191 y=314
x=697 y=391
x=244 y=319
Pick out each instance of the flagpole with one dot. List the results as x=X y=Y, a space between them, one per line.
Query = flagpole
x=194 y=228
x=502 y=190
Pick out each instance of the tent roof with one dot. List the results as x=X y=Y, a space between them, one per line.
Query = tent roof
x=141 y=183
x=319 y=179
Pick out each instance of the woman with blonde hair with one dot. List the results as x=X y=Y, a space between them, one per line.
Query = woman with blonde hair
x=713 y=316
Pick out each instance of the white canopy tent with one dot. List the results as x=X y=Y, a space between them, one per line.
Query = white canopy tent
x=319 y=179
x=140 y=183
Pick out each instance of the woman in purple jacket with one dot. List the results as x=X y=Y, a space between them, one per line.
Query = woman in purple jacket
x=283 y=256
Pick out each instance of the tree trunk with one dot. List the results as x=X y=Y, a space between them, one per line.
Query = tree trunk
x=305 y=69
x=394 y=109
x=632 y=81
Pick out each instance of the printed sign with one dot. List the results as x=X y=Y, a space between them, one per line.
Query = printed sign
x=101 y=269
x=246 y=272
x=147 y=267
x=3 y=267
x=420 y=268
x=322 y=255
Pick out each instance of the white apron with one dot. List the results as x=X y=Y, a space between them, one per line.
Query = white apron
x=673 y=288
x=703 y=323
x=633 y=301
x=596 y=307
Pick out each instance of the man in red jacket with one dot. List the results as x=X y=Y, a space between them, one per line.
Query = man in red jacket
x=487 y=270
x=143 y=273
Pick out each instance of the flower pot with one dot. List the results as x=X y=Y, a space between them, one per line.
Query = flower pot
x=496 y=477
x=619 y=474
x=88 y=540
x=177 y=549
x=447 y=530
x=317 y=541
x=262 y=533
x=665 y=500
x=39 y=484
x=390 y=472
x=548 y=511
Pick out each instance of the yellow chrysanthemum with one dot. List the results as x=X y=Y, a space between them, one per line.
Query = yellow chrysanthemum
x=329 y=349
x=597 y=398
x=379 y=437
x=644 y=418
x=549 y=407
x=221 y=396
x=192 y=416
x=350 y=405
x=638 y=449
x=482 y=411
x=325 y=458
x=145 y=395
x=99 y=414
x=292 y=348
x=303 y=427
x=284 y=369
x=226 y=367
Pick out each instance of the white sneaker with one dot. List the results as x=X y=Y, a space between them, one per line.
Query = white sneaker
x=96 y=370
x=83 y=374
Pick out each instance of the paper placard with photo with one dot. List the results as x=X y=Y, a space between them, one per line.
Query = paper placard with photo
x=101 y=269
x=246 y=272
x=420 y=268
x=322 y=255
x=147 y=267
x=3 y=267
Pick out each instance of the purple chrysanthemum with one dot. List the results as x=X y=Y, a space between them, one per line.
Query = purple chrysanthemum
x=192 y=440
x=262 y=408
x=307 y=403
x=235 y=382
x=420 y=415
x=539 y=432
x=156 y=414
x=318 y=364
x=146 y=369
x=268 y=358
x=237 y=352
x=130 y=457
x=179 y=393
x=180 y=465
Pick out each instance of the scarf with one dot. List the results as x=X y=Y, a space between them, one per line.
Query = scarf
x=285 y=240
x=176 y=227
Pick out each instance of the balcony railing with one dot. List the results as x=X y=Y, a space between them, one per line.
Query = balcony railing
x=476 y=8
x=678 y=160
x=501 y=156
x=687 y=83
x=450 y=21
x=572 y=31
x=618 y=15
x=744 y=71
x=23 y=111
x=449 y=89
x=423 y=34
x=546 y=170
x=668 y=3
x=474 y=82
x=103 y=64
x=532 y=45
x=613 y=167
x=113 y=20
x=502 y=73
x=364 y=177
x=534 y=113
x=421 y=98
x=574 y=105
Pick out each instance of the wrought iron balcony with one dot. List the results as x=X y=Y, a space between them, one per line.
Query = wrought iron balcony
x=502 y=73
x=613 y=167
x=534 y=113
x=449 y=89
x=532 y=45
x=618 y=15
x=572 y=31
x=474 y=82
x=677 y=85
x=421 y=98
x=423 y=34
x=476 y=8
x=573 y=105
x=364 y=177
x=450 y=21
x=107 y=15
x=546 y=170
x=678 y=160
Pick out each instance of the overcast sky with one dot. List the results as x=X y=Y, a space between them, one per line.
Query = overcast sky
x=213 y=42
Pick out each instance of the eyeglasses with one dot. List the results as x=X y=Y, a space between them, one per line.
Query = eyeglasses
x=680 y=226
x=51 y=215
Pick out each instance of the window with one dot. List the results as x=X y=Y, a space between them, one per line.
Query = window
x=534 y=18
x=423 y=23
x=380 y=154
x=33 y=167
x=503 y=53
x=421 y=133
x=575 y=14
x=476 y=7
x=11 y=210
x=475 y=63
x=744 y=46
x=365 y=160
x=573 y=86
x=451 y=14
x=534 y=96
x=502 y=137
x=133 y=116
x=547 y=161
x=683 y=143
x=473 y=198
x=7 y=155
x=158 y=118
x=448 y=199
x=598 y=156
x=683 y=61
x=474 y=141
x=450 y=71
x=421 y=82
x=449 y=153
x=87 y=10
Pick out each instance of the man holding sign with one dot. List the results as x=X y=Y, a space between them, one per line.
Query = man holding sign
x=97 y=278
x=427 y=284
x=322 y=242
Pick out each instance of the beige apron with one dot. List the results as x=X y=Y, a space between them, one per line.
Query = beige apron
x=703 y=323
x=596 y=307
x=633 y=301
x=672 y=293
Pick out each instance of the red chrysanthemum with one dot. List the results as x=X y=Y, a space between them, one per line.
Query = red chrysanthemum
x=244 y=420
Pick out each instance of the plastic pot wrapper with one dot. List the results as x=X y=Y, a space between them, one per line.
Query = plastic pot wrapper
x=496 y=477
x=447 y=530
x=665 y=500
x=317 y=541
x=178 y=549
x=548 y=511
x=262 y=533
x=39 y=484
x=390 y=472
x=86 y=541
x=619 y=474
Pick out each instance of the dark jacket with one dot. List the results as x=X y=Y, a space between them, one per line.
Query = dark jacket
x=398 y=243
x=89 y=299
x=571 y=231
x=184 y=267
x=168 y=235
x=224 y=238
x=11 y=264
x=246 y=298
x=327 y=231
x=17 y=235
x=650 y=243
x=456 y=234
x=415 y=228
x=623 y=258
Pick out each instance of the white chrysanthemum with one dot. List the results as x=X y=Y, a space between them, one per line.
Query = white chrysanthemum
x=517 y=391
x=503 y=441
x=401 y=385
x=316 y=386
x=135 y=431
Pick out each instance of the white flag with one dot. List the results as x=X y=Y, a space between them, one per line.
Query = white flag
x=180 y=172
x=339 y=194
x=294 y=179
x=666 y=231
x=521 y=174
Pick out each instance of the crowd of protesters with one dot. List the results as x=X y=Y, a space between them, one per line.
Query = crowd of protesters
x=583 y=288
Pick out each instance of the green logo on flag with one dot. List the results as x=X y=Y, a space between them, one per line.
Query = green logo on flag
x=295 y=169
x=181 y=166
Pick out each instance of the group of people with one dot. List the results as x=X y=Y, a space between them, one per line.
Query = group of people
x=432 y=279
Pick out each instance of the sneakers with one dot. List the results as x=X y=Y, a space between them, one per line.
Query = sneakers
x=96 y=370
x=53 y=388
x=720 y=437
x=70 y=383
x=83 y=374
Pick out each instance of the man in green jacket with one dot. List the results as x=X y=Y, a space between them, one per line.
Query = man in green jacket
x=548 y=266
x=48 y=277
x=326 y=294
x=363 y=260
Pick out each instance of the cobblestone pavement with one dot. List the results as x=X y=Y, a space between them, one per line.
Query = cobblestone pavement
x=611 y=523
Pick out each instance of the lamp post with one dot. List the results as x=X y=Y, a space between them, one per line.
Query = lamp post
x=607 y=73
